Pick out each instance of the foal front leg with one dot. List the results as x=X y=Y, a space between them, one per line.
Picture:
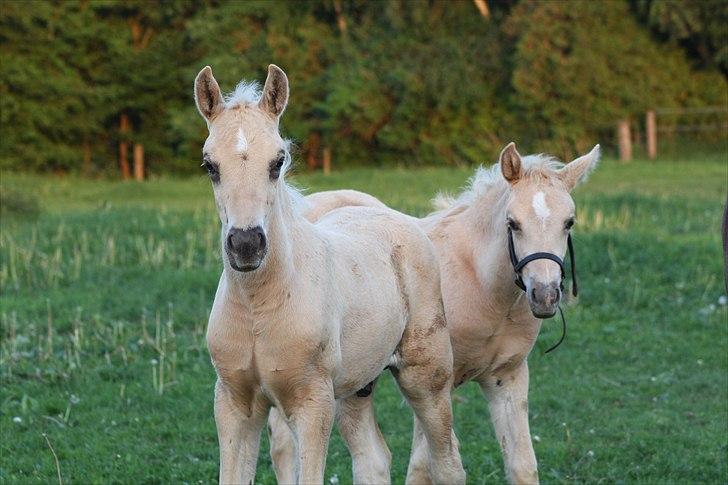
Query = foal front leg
x=282 y=447
x=508 y=402
x=311 y=419
x=238 y=435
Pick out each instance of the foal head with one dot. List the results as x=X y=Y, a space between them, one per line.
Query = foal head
x=245 y=157
x=539 y=213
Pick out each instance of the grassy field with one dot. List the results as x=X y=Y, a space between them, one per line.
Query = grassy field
x=106 y=288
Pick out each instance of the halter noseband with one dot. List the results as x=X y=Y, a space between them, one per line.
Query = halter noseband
x=518 y=266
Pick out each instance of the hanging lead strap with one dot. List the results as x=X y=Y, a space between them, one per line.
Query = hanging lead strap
x=570 y=246
x=563 y=332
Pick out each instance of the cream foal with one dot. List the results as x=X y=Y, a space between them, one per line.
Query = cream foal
x=306 y=315
x=493 y=324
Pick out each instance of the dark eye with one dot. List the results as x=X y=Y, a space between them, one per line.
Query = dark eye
x=212 y=170
x=275 y=168
x=514 y=225
x=569 y=224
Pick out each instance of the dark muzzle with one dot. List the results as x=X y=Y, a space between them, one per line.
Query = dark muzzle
x=245 y=248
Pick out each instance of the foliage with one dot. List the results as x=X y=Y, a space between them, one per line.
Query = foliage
x=699 y=26
x=50 y=57
x=587 y=64
x=401 y=82
x=104 y=301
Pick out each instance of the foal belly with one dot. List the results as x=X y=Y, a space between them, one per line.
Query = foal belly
x=355 y=374
x=366 y=348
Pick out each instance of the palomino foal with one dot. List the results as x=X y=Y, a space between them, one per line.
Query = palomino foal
x=306 y=315
x=493 y=324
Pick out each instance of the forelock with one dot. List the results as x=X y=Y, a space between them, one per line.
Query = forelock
x=245 y=93
x=540 y=167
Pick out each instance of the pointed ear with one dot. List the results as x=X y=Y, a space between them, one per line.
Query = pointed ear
x=207 y=94
x=578 y=170
x=510 y=163
x=275 y=92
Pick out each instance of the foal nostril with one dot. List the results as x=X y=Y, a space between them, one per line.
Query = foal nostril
x=261 y=238
x=533 y=294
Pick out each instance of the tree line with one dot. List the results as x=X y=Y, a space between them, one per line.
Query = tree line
x=86 y=85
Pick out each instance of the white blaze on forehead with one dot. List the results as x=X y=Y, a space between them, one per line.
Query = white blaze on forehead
x=242 y=144
x=540 y=207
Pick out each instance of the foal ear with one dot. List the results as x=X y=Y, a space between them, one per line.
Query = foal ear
x=578 y=170
x=275 y=92
x=207 y=94
x=510 y=163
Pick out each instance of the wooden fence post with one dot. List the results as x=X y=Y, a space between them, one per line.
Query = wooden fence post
x=651 y=132
x=138 y=162
x=313 y=145
x=86 y=167
x=124 y=146
x=327 y=161
x=624 y=139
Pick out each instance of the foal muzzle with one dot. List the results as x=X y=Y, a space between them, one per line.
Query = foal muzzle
x=542 y=297
x=245 y=248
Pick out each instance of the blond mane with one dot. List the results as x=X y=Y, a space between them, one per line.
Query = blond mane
x=539 y=167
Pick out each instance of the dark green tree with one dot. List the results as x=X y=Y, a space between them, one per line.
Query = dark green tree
x=701 y=27
x=580 y=66
x=398 y=82
x=51 y=108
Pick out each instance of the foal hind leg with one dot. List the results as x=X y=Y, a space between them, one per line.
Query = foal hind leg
x=425 y=376
x=369 y=452
x=418 y=470
x=282 y=448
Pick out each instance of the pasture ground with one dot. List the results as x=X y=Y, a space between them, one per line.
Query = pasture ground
x=106 y=287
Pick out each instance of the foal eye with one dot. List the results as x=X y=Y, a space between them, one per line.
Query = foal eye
x=569 y=224
x=514 y=225
x=212 y=170
x=275 y=168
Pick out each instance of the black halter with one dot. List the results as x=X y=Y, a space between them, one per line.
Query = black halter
x=519 y=265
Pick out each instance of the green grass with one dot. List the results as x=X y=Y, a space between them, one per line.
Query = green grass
x=106 y=288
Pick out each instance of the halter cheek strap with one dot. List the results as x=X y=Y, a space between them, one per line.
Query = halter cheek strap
x=518 y=266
